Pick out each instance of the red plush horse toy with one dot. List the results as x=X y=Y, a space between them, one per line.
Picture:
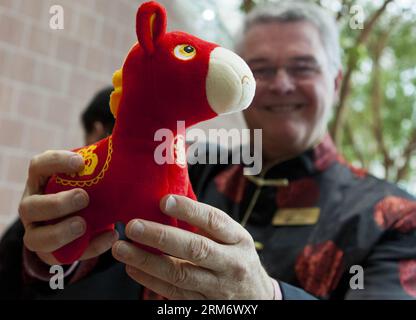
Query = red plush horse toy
x=166 y=77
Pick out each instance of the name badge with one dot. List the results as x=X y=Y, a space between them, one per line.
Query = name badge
x=296 y=216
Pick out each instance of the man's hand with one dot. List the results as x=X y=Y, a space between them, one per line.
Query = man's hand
x=35 y=208
x=220 y=264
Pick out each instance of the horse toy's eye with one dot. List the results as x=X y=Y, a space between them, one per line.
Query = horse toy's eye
x=184 y=52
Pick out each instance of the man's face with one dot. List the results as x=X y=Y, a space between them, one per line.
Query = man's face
x=295 y=88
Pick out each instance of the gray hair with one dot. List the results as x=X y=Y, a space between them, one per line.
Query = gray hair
x=299 y=10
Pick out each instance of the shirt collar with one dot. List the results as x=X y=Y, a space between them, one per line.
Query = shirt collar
x=310 y=162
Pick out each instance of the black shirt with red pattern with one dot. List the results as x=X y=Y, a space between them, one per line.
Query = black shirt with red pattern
x=314 y=217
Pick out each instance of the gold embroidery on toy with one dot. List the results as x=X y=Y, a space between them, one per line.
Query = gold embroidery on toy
x=89 y=183
x=90 y=160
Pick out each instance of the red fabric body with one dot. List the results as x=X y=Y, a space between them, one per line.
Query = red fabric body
x=158 y=90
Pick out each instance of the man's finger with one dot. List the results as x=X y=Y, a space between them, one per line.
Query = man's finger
x=175 y=271
x=210 y=219
x=48 y=258
x=52 y=237
x=161 y=287
x=48 y=163
x=39 y=208
x=179 y=243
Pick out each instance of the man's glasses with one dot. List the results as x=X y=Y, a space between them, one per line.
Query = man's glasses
x=266 y=73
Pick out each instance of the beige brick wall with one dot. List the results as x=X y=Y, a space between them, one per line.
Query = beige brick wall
x=47 y=77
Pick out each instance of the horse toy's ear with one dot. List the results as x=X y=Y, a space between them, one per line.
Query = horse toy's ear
x=150 y=25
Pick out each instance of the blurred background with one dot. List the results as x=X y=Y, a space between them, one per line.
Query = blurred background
x=47 y=77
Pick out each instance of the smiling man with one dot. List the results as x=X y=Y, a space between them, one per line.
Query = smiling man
x=295 y=58
x=295 y=231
